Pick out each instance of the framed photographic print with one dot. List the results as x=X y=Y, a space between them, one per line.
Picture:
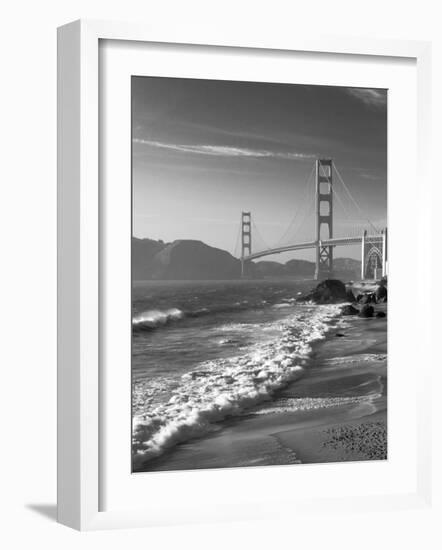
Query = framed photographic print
x=231 y=275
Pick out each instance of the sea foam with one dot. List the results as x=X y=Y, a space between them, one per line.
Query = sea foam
x=226 y=387
x=155 y=318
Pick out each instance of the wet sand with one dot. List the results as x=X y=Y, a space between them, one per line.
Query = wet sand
x=336 y=412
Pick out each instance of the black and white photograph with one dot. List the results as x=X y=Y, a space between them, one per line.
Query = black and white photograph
x=259 y=274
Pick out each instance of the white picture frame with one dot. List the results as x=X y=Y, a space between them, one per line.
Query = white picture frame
x=79 y=265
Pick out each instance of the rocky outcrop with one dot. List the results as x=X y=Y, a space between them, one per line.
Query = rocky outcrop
x=368 y=298
x=381 y=293
x=330 y=291
x=349 y=310
x=366 y=311
x=379 y=296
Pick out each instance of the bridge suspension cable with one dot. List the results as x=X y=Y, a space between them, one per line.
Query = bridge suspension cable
x=349 y=228
x=236 y=250
x=336 y=194
x=308 y=210
x=353 y=200
x=301 y=207
x=259 y=241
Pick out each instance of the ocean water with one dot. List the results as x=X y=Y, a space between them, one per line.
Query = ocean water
x=206 y=351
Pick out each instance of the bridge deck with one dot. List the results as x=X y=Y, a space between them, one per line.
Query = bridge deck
x=343 y=241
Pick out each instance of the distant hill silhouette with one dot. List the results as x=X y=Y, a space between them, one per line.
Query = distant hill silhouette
x=300 y=268
x=292 y=268
x=193 y=260
x=347 y=268
x=143 y=253
x=181 y=260
x=267 y=268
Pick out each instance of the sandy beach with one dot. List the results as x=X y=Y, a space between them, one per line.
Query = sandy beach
x=336 y=412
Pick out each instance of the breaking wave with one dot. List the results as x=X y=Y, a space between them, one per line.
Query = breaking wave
x=227 y=387
x=155 y=318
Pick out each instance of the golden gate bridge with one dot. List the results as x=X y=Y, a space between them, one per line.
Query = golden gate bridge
x=322 y=222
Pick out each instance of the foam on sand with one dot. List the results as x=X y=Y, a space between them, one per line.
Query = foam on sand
x=295 y=404
x=226 y=387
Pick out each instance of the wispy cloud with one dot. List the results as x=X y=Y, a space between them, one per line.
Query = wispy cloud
x=376 y=99
x=371 y=177
x=224 y=150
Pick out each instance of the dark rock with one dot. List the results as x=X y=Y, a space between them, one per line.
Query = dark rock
x=367 y=298
x=366 y=311
x=340 y=335
x=350 y=296
x=381 y=293
x=349 y=310
x=381 y=314
x=330 y=291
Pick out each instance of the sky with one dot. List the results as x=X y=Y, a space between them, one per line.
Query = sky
x=205 y=150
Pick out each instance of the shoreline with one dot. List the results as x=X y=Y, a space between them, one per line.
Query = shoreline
x=337 y=411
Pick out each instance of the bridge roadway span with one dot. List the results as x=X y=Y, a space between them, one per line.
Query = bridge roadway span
x=343 y=241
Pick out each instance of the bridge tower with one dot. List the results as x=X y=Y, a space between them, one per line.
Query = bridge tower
x=374 y=255
x=246 y=239
x=324 y=216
